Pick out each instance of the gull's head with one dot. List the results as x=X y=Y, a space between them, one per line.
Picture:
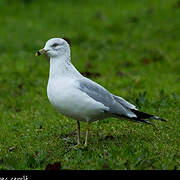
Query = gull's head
x=55 y=47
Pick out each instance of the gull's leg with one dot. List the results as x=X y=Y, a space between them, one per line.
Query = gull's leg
x=78 y=132
x=78 y=135
x=87 y=133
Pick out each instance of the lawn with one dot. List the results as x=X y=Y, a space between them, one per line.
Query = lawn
x=129 y=47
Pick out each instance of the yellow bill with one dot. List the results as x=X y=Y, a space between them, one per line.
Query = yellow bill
x=39 y=52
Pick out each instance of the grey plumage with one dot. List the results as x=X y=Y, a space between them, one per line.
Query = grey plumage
x=109 y=100
x=118 y=107
x=96 y=92
x=124 y=102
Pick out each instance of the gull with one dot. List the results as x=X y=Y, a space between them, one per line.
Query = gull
x=80 y=98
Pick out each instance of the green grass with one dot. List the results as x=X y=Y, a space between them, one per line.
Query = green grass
x=129 y=47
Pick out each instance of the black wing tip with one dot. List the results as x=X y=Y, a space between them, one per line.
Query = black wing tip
x=143 y=115
x=158 y=118
x=144 y=121
x=164 y=120
x=135 y=119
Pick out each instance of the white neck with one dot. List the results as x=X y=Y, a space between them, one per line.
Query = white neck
x=62 y=67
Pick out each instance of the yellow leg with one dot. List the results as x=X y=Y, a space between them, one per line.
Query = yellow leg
x=87 y=133
x=78 y=132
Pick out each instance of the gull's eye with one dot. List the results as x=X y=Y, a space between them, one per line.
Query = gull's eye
x=55 y=44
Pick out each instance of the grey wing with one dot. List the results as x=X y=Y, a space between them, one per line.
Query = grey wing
x=100 y=94
x=118 y=107
x=124 y=102
x=96 y=92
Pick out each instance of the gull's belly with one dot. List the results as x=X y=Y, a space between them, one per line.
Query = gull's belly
x=72 y=102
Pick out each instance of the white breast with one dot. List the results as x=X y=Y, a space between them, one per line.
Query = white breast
x=66 y=97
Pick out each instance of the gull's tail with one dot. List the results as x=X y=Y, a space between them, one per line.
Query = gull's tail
x=144 y=117
x=132 y=113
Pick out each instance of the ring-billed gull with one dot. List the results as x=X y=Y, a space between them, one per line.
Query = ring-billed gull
x=80 y=98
